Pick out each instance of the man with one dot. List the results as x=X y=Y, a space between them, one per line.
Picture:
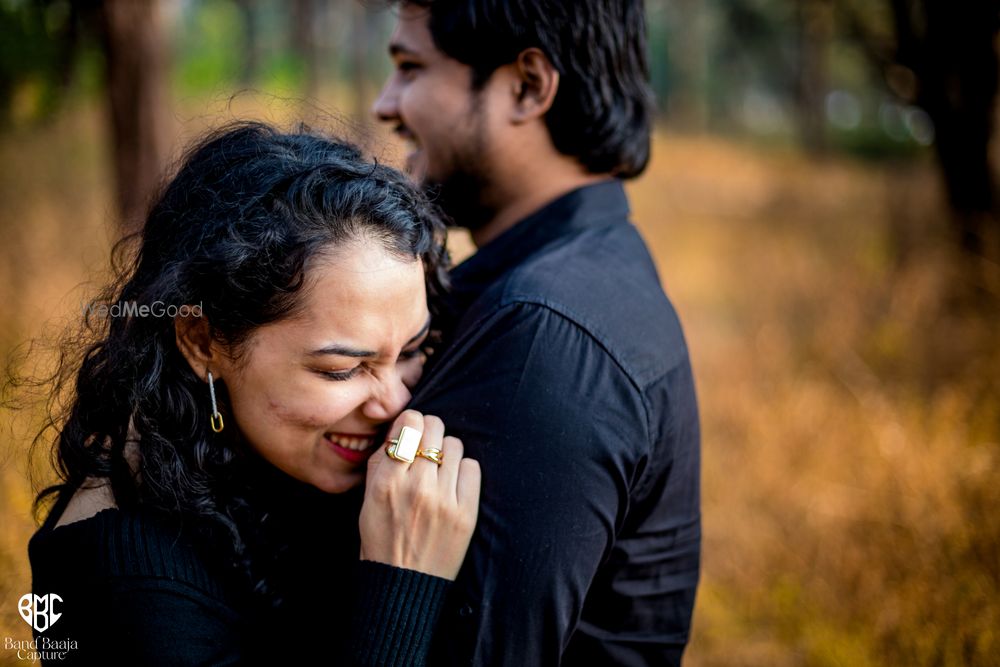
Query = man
x=564 y=368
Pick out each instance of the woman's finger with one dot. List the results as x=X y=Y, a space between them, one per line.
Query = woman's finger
x=423 y=468
x=467 y=487
x=452 y=452
x=380 y=464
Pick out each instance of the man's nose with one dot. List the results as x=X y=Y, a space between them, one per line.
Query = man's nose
x=386 y=104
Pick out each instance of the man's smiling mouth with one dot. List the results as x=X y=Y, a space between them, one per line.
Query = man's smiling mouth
x=412 y=143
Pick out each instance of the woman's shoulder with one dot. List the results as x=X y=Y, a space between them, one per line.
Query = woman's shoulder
x=134 y=584
x=93 y=539
x=90 y=499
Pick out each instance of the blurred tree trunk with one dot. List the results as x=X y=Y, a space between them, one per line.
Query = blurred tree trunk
x=943 y=58
x=304 y=17
x=951 y=48
x=813 y=33
x=136 y=64
x=325 y=42
x=688 y=107
x=361 y=38
x=251 y=55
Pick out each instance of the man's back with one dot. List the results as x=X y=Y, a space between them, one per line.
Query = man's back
x=567 y=376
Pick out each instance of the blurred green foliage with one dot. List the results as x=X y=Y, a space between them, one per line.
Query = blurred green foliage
x=718 y=66
x=212 y=46
x=209 y=45
x=32 y=56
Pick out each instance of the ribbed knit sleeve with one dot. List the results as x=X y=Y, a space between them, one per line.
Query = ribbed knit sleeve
x=135 y=591
x=397 y=612
x=136 y=546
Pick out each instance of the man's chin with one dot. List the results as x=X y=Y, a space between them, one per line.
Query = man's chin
x=460 y=199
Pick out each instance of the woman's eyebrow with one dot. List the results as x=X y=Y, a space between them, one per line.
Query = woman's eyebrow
x=343 y=351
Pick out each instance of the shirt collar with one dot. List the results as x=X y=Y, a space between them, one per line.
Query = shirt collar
x=587 y=207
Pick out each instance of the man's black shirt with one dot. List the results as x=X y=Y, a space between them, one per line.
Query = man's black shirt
x=566 y=374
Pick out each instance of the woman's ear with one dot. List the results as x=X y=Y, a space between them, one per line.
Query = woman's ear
x=202 y=351
x=536 y=82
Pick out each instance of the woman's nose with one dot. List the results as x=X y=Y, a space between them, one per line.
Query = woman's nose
x=389 y=399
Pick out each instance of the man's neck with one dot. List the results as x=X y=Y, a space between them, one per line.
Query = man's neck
x=520 y=202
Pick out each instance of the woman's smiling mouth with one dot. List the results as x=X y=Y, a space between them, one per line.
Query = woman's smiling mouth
x=351 y=446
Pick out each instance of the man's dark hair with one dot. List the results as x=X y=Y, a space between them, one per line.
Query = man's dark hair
x=602 y=111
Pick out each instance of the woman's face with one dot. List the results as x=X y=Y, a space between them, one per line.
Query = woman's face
x=310 y=392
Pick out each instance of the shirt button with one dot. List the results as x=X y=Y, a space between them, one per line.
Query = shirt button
x=465 y=611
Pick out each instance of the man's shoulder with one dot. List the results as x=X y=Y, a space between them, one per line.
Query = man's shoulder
x=604 y=282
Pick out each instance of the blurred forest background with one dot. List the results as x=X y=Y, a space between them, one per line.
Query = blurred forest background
x=822 y=207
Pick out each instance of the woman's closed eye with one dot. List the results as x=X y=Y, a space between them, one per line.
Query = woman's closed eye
x=342 y=375
x=349 y=373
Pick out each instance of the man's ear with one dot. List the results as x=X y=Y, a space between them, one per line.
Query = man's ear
x=536 y=82
x=194 y=339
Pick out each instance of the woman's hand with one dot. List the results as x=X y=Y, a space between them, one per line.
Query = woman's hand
x=419 y=515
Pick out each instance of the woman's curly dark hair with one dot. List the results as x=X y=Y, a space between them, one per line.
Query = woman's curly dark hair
x=233 y=232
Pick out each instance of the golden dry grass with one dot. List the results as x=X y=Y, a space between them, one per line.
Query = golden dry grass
x=847 y=365
x=847 y=369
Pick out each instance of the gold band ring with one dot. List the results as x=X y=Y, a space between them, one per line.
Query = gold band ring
x=404 y=446
x=432 y=454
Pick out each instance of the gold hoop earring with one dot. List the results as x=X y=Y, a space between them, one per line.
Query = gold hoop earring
x=216 y=418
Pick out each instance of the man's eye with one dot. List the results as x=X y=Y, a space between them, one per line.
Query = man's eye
x=407 y=66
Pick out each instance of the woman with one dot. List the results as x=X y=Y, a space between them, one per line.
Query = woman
x=247 y=363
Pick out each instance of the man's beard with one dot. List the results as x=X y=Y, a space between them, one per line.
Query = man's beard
x=461 y=197
x=462 y=193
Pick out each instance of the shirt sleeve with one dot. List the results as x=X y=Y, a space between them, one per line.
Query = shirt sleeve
x=560 y=433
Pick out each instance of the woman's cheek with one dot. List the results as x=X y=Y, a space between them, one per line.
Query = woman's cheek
x=411 y=370
x=341 y=399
